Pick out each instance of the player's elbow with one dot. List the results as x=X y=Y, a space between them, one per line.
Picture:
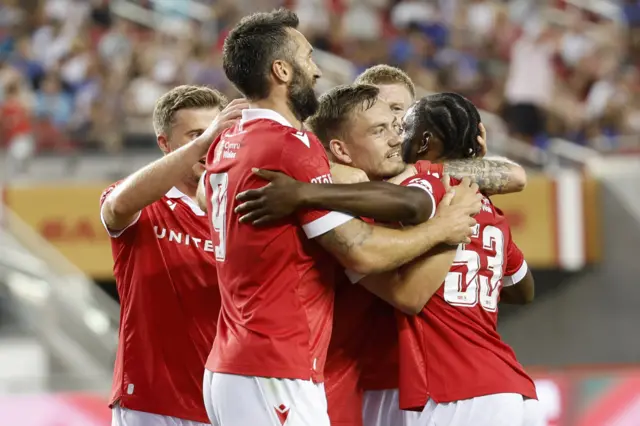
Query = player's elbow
x=518 y=178
x=528 y=296
x=409 y=307
x=114 y=208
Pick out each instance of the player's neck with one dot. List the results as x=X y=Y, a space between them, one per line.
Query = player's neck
x=279 y=106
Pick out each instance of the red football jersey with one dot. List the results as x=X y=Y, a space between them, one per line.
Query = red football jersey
x=452 y=351
x=343 y=368
x=166 y=278
x=379 y=357
x=277 y=286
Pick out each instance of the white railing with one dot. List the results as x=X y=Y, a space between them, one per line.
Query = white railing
x=70 y=316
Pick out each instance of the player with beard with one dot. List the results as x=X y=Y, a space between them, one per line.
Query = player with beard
x=164 y=271
x=267 y=362
x=346 y=122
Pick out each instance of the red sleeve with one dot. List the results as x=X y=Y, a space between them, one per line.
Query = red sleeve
x=103 y=197
x=304 y=159
x=516 y=267
x=429 y=184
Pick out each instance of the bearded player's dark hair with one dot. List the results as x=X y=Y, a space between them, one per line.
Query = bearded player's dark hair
x=454 y=120
x=252 y=46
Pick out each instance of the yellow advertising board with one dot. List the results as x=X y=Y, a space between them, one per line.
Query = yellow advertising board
x=532 y=216
x=68 y=217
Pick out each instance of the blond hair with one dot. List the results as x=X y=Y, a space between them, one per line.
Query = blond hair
x=184 y=97
x=386 y=74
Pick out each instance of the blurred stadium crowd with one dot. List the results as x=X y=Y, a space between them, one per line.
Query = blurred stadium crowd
x=74 y=75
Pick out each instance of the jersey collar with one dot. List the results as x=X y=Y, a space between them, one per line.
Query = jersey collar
x=264 y=114
x=175 y=193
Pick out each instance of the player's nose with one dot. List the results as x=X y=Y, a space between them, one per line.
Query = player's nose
x=316 y=72
x=395 y=139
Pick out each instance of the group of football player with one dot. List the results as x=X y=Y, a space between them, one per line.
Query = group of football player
x=319 y=261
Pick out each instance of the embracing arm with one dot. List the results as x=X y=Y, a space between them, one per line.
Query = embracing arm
x=521 y=293
x=410 y=287
x=123 y=205
x=494 y=175
x=367 y=249
x=381 y=201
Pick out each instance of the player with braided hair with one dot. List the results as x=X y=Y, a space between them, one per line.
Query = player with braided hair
x=454 y=368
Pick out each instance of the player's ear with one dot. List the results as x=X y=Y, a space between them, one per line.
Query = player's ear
x=424 y=142
x=282 y=71
x=340 y=151
x=163 y=143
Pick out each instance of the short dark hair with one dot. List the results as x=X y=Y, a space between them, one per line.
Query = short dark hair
x=455 y=120
x=386 y=74
x=336 y=108
x=184 y=97
x=252 y=46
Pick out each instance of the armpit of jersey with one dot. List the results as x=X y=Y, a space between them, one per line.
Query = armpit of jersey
x=517 y=277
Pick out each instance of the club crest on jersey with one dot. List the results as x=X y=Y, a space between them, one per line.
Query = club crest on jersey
x=183 y=239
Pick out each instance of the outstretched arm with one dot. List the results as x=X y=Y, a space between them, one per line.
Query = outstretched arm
x=380 y=201
x=123 y=205
x=367 y=249
x=411 y=286
x=494 y=175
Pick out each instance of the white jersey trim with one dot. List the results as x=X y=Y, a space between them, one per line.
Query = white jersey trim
x=325 y=224
x=118 y=233
x=517 y=277
x=353 y=276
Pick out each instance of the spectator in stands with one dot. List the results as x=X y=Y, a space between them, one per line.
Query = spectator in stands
x=15 y=126
x=113 y=69
x=530 y=83
x=53 y=104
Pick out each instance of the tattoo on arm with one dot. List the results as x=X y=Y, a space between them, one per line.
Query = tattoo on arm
x=492 y=176
x=351 y=235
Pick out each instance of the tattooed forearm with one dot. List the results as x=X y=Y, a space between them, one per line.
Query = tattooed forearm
x=350 y=236
x=492 y=176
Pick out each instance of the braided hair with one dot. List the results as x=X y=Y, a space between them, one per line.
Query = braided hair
x=454 y=120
